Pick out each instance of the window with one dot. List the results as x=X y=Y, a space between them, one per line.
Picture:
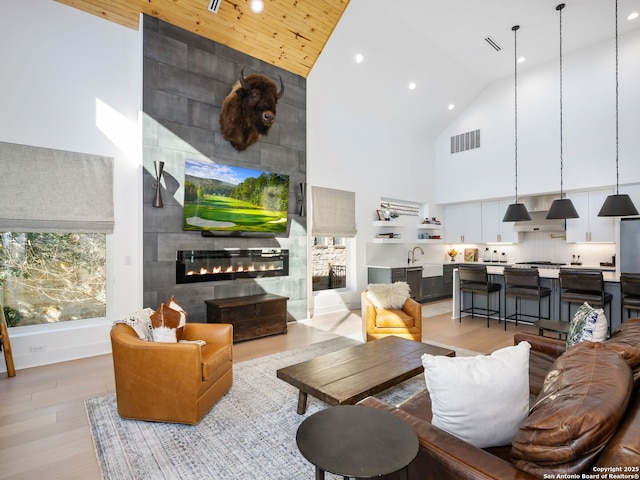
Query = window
x=52 y=277
x=329 y=263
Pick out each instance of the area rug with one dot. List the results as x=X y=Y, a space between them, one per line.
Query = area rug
x=249 y=434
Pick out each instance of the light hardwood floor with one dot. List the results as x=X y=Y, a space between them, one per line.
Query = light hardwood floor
x=44 y=431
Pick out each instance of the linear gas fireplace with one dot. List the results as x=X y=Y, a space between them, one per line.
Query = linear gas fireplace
x=230 y=264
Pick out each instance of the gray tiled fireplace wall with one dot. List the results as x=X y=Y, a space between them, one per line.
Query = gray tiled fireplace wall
x=186 y=78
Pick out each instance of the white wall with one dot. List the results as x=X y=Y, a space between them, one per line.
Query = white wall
x=72 y=81
x=588 y=129
x=351 y=150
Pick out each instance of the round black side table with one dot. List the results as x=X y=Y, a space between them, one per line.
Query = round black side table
x=356 y=441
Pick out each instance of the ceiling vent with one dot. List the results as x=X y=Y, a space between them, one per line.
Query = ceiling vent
x=493 y=43
x=214 y=5
x=465 y=141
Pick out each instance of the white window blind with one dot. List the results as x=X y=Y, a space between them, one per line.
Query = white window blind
x=46 y=190
x=334 y=212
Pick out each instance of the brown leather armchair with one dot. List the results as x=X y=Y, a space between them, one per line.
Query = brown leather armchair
x=172 y=382
x=381 y=322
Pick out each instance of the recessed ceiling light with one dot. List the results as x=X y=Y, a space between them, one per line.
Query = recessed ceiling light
x=257 y=6
x=359 y=58
x=633 y=16
x=412 y=86
x=451 y=106
x=521 y=59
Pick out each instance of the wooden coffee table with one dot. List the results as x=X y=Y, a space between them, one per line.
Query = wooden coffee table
x=347 y=376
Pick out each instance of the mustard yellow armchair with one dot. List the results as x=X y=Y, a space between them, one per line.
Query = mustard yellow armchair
x=381 y=322
x=172 y=382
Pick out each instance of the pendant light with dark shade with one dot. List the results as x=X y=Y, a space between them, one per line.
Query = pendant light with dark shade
x=516 y=212
x=561 y=208
x=617 y=205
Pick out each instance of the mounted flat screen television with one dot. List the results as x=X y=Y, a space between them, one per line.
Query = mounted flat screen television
x=227 y=200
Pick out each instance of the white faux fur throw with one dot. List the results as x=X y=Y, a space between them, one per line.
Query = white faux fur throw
x=388 y=295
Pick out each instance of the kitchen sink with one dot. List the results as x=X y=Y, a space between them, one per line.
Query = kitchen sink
x=431 y=269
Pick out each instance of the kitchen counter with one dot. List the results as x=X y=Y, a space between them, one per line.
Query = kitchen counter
x=554 y=273
x=428 y=269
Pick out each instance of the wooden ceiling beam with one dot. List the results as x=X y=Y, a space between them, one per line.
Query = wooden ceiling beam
x=289 y=34
x=123 y=15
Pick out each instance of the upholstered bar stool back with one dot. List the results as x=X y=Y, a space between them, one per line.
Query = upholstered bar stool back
x=474 y=279
x=522 y=283
x=583 y=285
x=630 y=293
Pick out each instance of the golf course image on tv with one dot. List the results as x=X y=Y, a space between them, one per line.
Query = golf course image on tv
x=224 y=198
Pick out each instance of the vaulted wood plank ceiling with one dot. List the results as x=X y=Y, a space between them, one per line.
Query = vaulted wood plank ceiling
x=289 y=34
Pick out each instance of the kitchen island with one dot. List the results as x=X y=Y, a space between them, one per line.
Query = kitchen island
x=549 y=278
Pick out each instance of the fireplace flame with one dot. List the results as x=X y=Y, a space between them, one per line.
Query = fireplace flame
x=232 y=269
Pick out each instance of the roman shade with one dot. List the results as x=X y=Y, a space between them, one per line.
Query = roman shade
x=46 y=190
x=334 y=212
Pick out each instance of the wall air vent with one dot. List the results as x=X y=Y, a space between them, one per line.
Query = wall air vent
x=465 y=141
x=493 y=43
x=214 y=5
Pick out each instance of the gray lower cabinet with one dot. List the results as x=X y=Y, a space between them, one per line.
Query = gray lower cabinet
x=447 y=276
x=432 y=287
x=391 y=275
x=414 y=279
x=387 y=275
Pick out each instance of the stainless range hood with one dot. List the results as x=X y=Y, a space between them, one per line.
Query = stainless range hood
x=538 y=208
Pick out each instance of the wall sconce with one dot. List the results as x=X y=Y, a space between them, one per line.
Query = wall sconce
x=303 y=200
x=159 y=167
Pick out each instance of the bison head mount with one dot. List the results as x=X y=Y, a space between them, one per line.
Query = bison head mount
x=249 y=110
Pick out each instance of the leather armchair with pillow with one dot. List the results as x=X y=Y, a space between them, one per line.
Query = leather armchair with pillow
x=380 y=322
x=172 y=382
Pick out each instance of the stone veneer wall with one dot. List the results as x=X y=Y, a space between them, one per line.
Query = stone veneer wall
x=186 y=78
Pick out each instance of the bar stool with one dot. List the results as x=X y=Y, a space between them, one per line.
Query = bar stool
x=629 y=293
x=474 y=279
x=5 y=344
x=583 y=285
x=525 y=283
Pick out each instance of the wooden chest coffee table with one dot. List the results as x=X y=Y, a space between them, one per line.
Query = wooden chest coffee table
x=347 y=376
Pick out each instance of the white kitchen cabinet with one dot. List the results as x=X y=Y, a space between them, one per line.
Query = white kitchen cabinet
x=463 y=223
x=494 y=230
x=590 y=227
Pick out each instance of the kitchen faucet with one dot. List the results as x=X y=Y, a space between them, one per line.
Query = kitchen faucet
x=413 y=253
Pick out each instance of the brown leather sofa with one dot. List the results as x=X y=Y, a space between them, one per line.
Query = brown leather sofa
x=382 y=322
x=586 y=371
x=172 y=382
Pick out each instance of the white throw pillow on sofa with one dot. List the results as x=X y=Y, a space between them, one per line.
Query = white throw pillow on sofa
x=483 y=399
x=388 y=295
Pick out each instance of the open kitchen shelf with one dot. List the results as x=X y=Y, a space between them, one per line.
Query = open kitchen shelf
x=408 y=237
